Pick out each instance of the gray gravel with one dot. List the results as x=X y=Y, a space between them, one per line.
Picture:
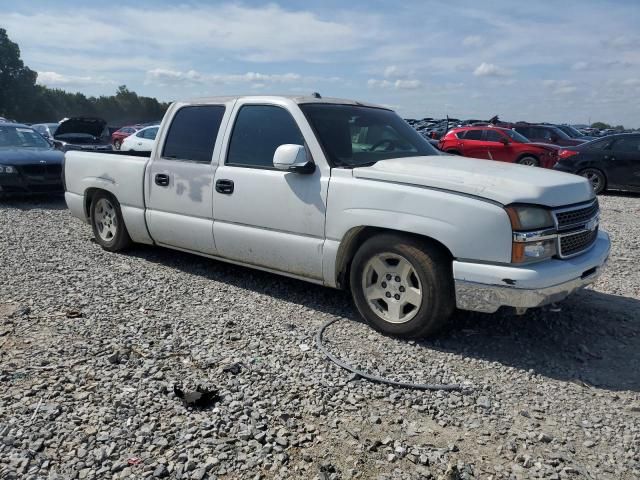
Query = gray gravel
x=92 y=343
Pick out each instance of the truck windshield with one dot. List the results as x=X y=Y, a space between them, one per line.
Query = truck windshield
x=353 y=136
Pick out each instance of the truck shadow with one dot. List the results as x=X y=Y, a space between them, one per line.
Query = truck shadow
x=594 y=340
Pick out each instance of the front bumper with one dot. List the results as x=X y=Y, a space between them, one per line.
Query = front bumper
x=19 y=183
x=486 y=287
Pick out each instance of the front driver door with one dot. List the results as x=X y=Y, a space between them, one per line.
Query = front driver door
x=263 y=216
x=496 y=148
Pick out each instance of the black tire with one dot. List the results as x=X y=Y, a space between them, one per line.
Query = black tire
x=529 y=161
x=597 y=179
x=453 y=152
x=117 y=144
x=118 y=238
x=431 y=268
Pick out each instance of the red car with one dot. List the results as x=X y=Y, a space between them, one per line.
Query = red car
x=119 y=135
x=499 y=144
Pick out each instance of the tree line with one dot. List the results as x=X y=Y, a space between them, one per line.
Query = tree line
x=22 y=99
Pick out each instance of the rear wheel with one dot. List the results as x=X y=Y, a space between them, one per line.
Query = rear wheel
x=529 y=161
x=108 y=226
x=402 y=286
x=596 y=178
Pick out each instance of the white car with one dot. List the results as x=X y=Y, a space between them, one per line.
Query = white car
x=141 y=141
x=347 y=195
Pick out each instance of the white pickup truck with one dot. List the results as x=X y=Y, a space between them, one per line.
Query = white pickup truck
x=347 y=195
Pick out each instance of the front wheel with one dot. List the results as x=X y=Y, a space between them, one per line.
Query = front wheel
x=117 y=144
x=402 y=286
x=596 y=178
x=108 y=226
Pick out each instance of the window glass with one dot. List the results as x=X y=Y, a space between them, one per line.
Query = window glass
x=526 y=131
x=627 y=145
x=493 y=136
x=473 y=135
x=193 y=132
x=21 y=137
x=258 y=131
x=461 y=134
x=354 y=135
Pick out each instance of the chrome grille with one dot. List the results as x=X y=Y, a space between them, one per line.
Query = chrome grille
x=579 y=215
x=577 y=228
x=574 y=243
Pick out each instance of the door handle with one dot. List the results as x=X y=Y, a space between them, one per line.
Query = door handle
x=162 y=179
x=224 y=186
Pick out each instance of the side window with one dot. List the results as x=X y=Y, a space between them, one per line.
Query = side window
x=151 y=133
x=627 y=145
x=193 y=132
x=493 y=136
x=473 y=135
x=460 y=135
x=526 y=131
x=258 y=131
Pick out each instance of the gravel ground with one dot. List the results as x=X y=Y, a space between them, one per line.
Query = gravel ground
x=92 y=344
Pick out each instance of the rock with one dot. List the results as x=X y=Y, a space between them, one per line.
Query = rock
x=161 y=471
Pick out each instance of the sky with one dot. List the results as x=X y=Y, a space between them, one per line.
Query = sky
x=544 y=60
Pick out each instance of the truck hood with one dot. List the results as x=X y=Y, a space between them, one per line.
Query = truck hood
x=86 y=125
x=501 y=182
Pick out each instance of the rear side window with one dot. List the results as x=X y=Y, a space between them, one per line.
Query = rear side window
x=493 y=136
x=258 y=131
x=193 y=132
x=473 y=135
x=627 y=145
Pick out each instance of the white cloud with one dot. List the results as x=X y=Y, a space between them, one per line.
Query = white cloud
x=398 y=84
x=167 y=77
x=473 y=41
x=54 y=79
x=490 y=70
x=393 y=71
x=560 y=87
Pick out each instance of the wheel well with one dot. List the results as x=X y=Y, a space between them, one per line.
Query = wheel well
x=355 y=237
x=88 y=198
x=532 y=155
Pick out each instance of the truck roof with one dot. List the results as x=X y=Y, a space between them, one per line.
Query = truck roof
x=296 y=98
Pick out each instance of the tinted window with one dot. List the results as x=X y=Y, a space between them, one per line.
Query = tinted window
x=526 y=131
x=193 y=132
x=258 y=131
x=628 y=145
x=473 y=135
x=460 y=134
x=353 y=135
x=493 y=136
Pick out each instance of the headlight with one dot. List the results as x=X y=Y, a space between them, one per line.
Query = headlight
x=534 y=236
x=525 y=217
x=8 y=169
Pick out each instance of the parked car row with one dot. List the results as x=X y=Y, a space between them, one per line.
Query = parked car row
x=610 y=162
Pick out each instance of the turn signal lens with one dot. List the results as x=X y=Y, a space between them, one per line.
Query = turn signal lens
x=529 y=252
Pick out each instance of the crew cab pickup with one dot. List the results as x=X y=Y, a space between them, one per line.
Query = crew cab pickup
x=347 y=195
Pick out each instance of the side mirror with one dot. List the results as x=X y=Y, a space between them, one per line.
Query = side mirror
x=293 y=158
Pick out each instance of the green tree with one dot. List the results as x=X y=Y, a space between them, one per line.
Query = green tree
x=600 y=125
x=17 y=81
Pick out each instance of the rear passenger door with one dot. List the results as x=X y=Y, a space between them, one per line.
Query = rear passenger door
x=473 y=145
x=623 y=161
x=263 y=216
x=179 y=179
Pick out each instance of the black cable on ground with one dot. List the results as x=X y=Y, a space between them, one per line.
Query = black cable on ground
x=374 y=378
